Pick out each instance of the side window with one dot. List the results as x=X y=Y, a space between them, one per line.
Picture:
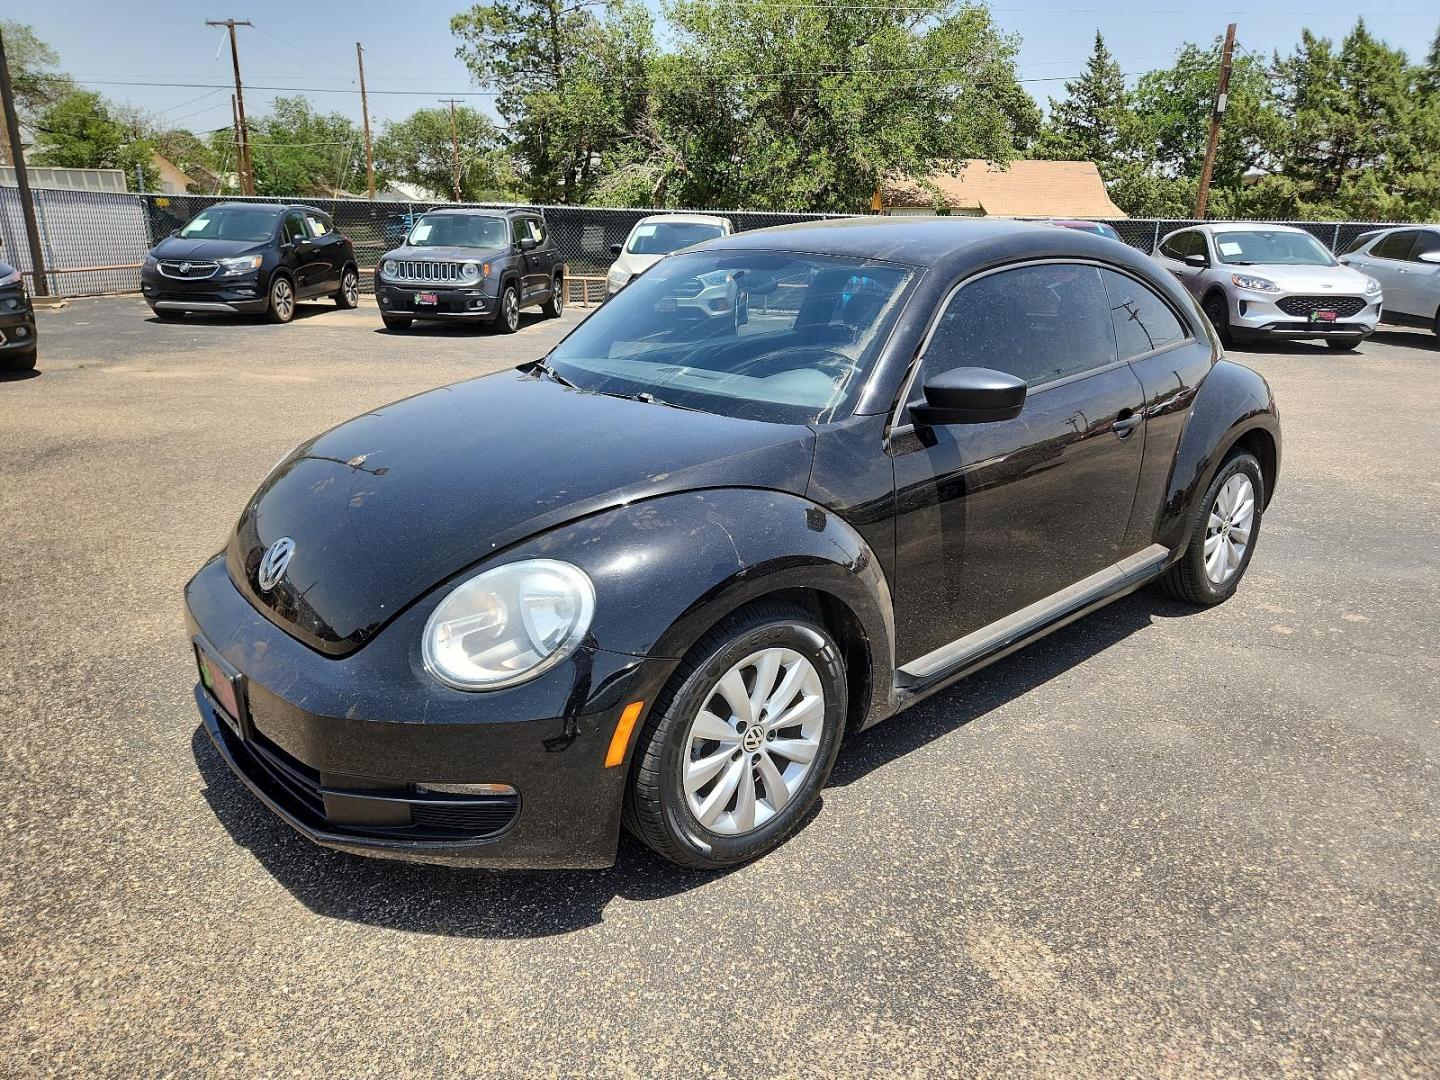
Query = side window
x=537 y=229
x=1038 y=323
x=1395 y=246
x=518 y=230
x=1195 y=245
x=1425 y=242
x=1358 y=243
x=1143 y=322
x=1172 y=247
x=294 y=229
x=319 y=226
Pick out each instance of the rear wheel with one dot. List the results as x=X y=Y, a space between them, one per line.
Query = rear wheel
x=734 y=753
x=555 y=306
x=395 y=322
x=282 y=300
x=1218 y=312
x=1222 y=536
x=349 y=294
x=507 y=319
x=1342 y=346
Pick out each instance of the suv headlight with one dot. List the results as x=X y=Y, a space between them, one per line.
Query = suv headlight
x=509 y=624
x=1258 y=284
x=1372 y=287
x=618 y=278
x=388 y=268
x=243 y=264
x=469 y=272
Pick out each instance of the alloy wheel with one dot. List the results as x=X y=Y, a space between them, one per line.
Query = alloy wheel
x=1227 y=532
x=510 y=309
x=754 y=741
x=351 y=285
x=282 y=298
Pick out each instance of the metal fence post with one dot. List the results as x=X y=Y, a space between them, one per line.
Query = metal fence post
x=52 y=279
x=1155 y=243
x=1335 y=246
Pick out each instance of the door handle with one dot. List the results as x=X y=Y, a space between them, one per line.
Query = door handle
x=1126 y=422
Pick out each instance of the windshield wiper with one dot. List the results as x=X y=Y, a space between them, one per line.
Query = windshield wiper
x=651 y=399
x=541 y=365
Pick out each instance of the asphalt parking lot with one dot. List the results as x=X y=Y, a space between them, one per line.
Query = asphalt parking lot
x=1157 y=843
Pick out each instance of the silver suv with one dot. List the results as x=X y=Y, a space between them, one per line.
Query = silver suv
x=1406 y=262
x=1259 y=281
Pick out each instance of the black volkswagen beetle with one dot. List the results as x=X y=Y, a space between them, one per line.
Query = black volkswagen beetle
x=660 y=574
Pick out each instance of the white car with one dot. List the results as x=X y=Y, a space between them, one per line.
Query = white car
x=1258 y=281
x=1406 y=262
x=656 y=236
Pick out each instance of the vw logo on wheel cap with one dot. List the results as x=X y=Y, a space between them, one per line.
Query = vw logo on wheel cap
x=274 y=563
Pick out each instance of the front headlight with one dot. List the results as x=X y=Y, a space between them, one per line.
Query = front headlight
x=244 y=264
x=151 y=262
x=1372 y=287
x=388 y=268
x=469 y=272
x=508 y=624
x=1258 y=284
x=618 y=278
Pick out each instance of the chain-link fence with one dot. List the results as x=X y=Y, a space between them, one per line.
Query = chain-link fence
x=94 y=241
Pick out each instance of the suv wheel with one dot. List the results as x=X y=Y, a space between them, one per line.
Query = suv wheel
x=168 y=314
x=732 y=759
x=23 y=361
x=507 y=319
x=394 y=322
x=282 y=300
x=555 y=306
x=349 y=294
x=1218 y=312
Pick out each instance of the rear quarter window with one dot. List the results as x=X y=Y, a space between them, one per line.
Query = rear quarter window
x=1143 y=321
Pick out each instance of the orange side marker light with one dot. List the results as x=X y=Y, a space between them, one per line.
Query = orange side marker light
x=621 y=739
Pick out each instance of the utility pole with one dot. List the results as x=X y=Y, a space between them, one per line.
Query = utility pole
x=454 y=148
x=247 y=173
x=365 y=116
x=38 y=281
x=235 y=126
x=1222 y=96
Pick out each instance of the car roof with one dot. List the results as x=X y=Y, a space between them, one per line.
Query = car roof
x=1217 y=227
x=486 y=211
x=685 y=219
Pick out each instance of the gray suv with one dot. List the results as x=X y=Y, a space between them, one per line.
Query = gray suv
x=482 y=265
x=1406 y=262
x=1257 y=281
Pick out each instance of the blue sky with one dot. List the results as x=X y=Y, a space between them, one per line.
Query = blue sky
x=410 y=53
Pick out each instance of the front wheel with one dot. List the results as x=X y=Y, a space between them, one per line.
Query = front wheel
x=555 y=306
x=22 y=361
x=1218 y=312
x=349 y=294
x=394 y=322
x=1342 y=346
x=507 y=319
x=1222 y=536
x=282 y=300
x=168 y=314
x=732 y=759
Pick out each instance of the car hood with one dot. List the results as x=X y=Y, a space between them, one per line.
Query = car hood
x=388 y=505
x=175 y=247
x=635 y=264
x=1320 y=280
x=447 y=254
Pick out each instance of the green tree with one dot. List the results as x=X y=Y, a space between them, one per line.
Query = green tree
x=418 y=150
x=572 y=82
x=1094 y=121
x=297 y=151
x=81 y=131
x=814 y=106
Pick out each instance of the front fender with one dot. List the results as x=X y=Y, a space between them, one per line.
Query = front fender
x=1232 y=402
x=667 y=569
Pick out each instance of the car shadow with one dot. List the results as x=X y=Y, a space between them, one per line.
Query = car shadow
x=303 y=310
x=457 y=327
x=1406 y=337
x=19 y=376
x=504 y=904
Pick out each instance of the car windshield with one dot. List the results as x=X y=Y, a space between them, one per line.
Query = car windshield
x=663 y=237
x=1272 y=249
x=776 y=336
x=253 y=223
x=459 y=230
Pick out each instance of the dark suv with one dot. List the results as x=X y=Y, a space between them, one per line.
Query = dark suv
x=251 y=259
x=17 y=322
x=483 y=265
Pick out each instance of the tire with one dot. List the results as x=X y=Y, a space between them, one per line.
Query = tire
x=24 y=361
x=1217 y=310
x=395 y=322
x=555 y=306
x=1342 y=346
x=348 y=295
x=507 y=316
x=1190 y=579
x=659 y=809
x=281 y=308
x=168 y=314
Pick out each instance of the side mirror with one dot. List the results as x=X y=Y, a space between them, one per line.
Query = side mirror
x=969 y=395
x=615 y=249
x=174 y=233
x=1429 y=256
x=1196 y=260
x=527 y=243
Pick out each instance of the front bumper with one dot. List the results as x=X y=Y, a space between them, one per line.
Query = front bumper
x=236 y=296
x=1255 y=315
x=337 y=746
x=450 y=303
x=17 y=330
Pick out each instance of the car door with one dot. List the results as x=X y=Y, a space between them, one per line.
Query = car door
x=329 y=251
x=1387 y=265
x=993 y=517
x=520 y=237
x=542 y=256
x=1420 y=280
x=298 y=252
x=1174 y=253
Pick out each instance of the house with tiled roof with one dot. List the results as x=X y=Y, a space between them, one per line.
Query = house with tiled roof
x=978 y=188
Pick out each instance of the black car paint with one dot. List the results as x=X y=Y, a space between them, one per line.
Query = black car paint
x=17 y=323
x=314 y=266
x=536 y=272
x=681 y=517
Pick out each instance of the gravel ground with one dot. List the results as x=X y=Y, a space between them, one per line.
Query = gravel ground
x=1157 y=843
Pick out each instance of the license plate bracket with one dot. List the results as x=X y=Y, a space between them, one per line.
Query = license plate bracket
x=426 y=298
x=1323 y=315
x=226 y=688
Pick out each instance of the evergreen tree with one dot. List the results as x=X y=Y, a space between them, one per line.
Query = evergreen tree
x=1093 y=122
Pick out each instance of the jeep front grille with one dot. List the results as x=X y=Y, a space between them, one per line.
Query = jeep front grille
x=426 y=272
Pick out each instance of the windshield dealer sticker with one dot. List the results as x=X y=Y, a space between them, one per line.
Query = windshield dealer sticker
x=1229 y=247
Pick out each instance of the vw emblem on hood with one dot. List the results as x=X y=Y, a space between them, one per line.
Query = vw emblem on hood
x=274 y=562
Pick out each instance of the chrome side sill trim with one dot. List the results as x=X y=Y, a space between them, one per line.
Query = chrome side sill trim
x=1029 y=619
